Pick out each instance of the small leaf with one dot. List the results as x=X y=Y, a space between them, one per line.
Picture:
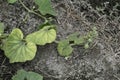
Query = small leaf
x=23 y=75
x=75 y=37
x=11 y=1
x=2 y=27
x=45 y=7
x=90 y=40
x=43 y=36
x=80 y=41
x=34 y=76
x=64 y=48
x=92 y=34
x=86 y=46
x=18 y=50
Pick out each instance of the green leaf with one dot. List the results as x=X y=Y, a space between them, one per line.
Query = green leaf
x=80 y=41
x=76 y=39
x=43 y=36
x=23 y=75
x=17 y=49
x=34 y=76
x=45 y=7
x=2 y=27
x=11 y=1
x=92 y=34
x=64 y=48
x=86 y=46
x=73 y=37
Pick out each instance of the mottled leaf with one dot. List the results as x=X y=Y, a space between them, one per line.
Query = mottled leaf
x=17 y=49
x=43 y=36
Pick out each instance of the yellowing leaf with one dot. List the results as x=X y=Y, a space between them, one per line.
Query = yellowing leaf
x=18 y=50
x=43 y=36
x=45 y=7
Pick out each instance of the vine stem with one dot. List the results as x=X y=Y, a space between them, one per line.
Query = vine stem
x=3 y=36
x=3 y=61
x=31 y=11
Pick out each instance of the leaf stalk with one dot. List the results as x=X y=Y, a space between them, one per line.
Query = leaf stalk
x=31 y=11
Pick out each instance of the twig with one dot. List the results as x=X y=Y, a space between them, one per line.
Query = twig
x=3 y=61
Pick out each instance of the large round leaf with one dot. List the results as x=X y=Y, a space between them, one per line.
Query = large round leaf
x=18 y=50
x=43 y=36
x=64 y=48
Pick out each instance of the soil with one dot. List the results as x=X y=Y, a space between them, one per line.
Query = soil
x=100 y=62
